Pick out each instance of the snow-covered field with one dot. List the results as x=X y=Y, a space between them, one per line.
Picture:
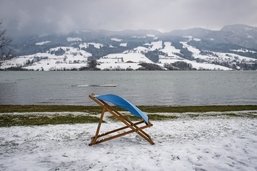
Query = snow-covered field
x=116 y=39
x=126 y=60
x=205 y=143
x=42 y=43
x=71 y=58
x=76 y=56
x=215 y=57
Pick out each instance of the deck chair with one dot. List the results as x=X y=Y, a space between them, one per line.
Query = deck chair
x=136 y=127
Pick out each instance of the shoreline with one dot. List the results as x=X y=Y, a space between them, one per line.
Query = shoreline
x=145 y=108
x=35 y=115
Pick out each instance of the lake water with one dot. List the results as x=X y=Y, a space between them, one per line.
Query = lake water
x=140 y=87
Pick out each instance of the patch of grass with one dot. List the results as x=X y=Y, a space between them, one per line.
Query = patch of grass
x=152 y=117
x=233 y=115
x=150 y=109
x=182 y=109
x=26 y=120
x=47 y=108
x=33 y=119
x=161 y=117
x=240 y=115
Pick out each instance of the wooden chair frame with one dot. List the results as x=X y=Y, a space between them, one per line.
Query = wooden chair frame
x=134 y=127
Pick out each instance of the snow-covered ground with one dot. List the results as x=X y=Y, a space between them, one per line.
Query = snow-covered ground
x=152 y=36
x=169 y=49
x=126 y=60
x=70 y=58
x=116 y=39
x=42 y=43
x=205 y=143
x=86 y=45
x=216 y=56
x=74 y=39
x=243 y=50
x=123 y=44
x=172 y=57
x=156 y=45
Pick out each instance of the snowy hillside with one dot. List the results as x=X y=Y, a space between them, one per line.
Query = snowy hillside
x=125 y=61
x=59 y=58
x=179 y=50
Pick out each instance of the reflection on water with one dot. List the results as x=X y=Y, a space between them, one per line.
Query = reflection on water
x=141 y=87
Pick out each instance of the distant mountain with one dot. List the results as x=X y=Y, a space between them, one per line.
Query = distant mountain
x=195 y=32
x=242 y=35
x=234 y=47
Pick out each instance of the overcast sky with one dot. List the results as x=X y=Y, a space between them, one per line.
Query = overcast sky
x=62 y=16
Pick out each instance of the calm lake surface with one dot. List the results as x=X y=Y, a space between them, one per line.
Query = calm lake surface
x=140 y=87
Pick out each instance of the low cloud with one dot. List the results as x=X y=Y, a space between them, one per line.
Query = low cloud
x=62 y=16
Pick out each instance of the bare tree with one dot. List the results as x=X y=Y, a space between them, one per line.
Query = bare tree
x=5 y=50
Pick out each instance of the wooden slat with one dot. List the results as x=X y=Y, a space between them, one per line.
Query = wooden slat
x=119 y=129
x=98 y=127
x=119 y=135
